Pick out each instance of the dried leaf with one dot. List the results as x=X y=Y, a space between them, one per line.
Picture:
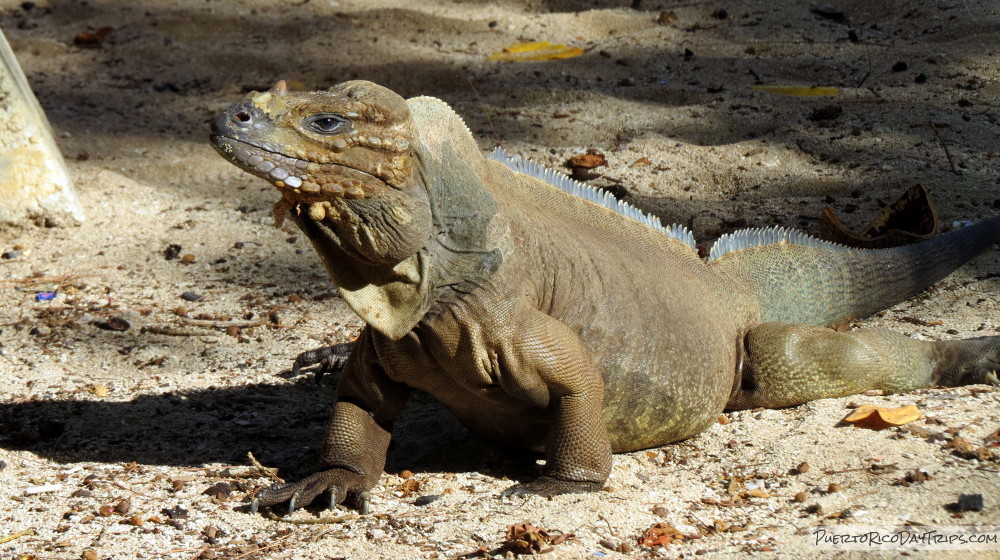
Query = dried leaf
x=910 y=219
x=661 y=534
x=539 y=50
x=800 y=91
x=878 y=418
x=524 y=538
x=589 y=160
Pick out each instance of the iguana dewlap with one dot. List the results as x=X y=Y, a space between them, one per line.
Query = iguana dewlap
x=547 y=315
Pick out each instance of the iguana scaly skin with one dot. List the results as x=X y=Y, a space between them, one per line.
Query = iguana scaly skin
x=569 y=323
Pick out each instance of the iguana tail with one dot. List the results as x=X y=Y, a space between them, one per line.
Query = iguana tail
x=799 y=279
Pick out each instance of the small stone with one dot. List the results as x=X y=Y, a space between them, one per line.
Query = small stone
x=11 y=254
x=81 y=493
x=89 y=554
x=970 y=502
x=175 y=513
x=833 y=487
x=425 y=500
x=233 y=331
x=900 y=66
x=106 y=510
x=721 y=13
x=188 y=259
x=239 y=245
x=182 y=310
x=723 y=419
x=801 y=497
x=172 y=251
x=920 y=78
x=666 y=18
x=802 y=468
x=40 y=330
x=136 y=521
x=123 y=506
x=190 y=296
x=118 y=323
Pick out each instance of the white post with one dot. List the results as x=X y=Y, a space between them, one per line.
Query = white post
x=34 y=182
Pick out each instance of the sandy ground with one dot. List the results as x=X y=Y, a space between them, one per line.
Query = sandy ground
x=110 y=438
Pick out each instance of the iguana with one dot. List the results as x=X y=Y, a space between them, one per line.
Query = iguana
x=545 y=314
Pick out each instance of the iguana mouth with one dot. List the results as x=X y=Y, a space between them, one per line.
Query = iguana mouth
x=304 y=179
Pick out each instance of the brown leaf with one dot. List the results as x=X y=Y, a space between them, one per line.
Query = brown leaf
x=409 y=486
x=661 y=534
x=910 y=219
x=93 y=39
x=589 y=160
x=879 y=418
x=524 y=538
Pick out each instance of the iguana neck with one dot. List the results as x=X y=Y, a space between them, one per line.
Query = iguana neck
x=394 y=255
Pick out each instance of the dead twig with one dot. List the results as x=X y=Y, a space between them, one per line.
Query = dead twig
x=24 y=533
x=266 y=471
x=947 y=153
x=224 y=324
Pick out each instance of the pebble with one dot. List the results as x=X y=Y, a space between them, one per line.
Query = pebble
x=970 y=502
x=190 y=296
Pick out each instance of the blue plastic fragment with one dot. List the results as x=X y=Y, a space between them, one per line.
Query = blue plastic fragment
x=45 y=296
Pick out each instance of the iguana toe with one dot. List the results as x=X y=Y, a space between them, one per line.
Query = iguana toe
x=339 y=484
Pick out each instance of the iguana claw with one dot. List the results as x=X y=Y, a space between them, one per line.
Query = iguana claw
x=254 y=505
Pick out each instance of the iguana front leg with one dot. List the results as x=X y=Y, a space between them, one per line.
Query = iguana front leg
x=577 y=448
x=330 y=358
x=357 y=437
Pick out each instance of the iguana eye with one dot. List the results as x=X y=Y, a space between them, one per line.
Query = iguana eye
x=325 y=123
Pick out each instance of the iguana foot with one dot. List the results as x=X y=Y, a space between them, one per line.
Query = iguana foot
x=329 y=358
x=548 y=486
x=339 y=484
x=969 y=362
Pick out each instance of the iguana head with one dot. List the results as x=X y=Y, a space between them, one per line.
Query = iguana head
x=350 y=141
x=343 y=160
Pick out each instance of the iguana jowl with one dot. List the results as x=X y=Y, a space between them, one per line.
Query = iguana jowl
x=545 y=315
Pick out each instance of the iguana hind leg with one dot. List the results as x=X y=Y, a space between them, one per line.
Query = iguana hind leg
x=787 y=364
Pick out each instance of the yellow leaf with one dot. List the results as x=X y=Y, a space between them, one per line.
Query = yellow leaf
x=539 y=50
x=878 y=418
x=799 y=91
